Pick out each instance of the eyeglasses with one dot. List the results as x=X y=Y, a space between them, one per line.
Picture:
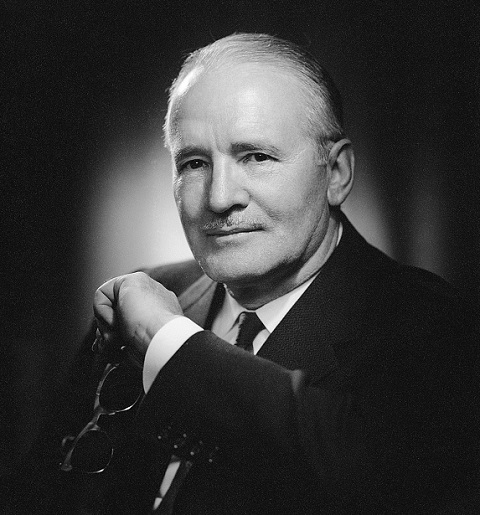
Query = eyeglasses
x=91 y=450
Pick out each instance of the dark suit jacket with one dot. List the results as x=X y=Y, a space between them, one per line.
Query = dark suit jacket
x=361 y=401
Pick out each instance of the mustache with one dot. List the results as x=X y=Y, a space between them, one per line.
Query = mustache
x=232 y=221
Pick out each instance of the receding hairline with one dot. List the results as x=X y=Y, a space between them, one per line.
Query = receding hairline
x=322 y=102
x=200 y=72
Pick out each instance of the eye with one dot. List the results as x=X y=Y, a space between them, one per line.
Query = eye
x=193 y=164
x=257 y=157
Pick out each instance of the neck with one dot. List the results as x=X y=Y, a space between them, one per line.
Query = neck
x=281 y=282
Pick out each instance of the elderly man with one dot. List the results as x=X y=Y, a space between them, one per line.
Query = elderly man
x=295 y=368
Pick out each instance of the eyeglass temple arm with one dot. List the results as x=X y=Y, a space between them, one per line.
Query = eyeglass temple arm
x=92 y=425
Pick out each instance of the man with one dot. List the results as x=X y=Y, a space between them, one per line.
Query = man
x=357 y=395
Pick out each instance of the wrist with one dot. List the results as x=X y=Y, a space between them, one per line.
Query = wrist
x=165 y=344
x=144 y=334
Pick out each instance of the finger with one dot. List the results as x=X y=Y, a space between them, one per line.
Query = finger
x=104 y=302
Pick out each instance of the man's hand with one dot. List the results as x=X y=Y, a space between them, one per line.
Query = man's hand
x=130 y=309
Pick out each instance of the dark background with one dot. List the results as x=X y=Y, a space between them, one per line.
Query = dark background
x=79 y=75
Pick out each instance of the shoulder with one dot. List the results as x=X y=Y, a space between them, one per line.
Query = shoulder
x=415 y=293
x=418 y=291
x=399 y=293
x=176 y=277
x=411 y=305
x=389 y=278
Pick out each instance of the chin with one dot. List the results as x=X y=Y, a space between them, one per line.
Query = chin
x=232 y=270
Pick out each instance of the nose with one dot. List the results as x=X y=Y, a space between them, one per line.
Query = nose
x=227 y=187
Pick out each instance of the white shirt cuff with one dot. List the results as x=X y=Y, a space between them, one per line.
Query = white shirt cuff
x=164 y=345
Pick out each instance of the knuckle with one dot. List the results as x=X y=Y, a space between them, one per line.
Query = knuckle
x=140 y=277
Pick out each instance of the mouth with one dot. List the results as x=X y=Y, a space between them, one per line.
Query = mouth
x=229 y=231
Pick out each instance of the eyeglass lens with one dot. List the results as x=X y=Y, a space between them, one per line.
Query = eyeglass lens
x=92 y=452
x=119 y=390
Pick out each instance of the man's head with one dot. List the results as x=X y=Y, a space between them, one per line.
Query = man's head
x=259 y=162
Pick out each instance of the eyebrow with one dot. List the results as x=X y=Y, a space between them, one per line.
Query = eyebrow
x=188 y=151
x=235 y=148
x=238 y=148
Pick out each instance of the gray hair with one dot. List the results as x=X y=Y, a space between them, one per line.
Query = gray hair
x=323 y=104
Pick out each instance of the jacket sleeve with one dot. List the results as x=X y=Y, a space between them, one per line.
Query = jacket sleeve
x=395 y=437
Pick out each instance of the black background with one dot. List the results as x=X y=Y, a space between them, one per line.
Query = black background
x=78 y=75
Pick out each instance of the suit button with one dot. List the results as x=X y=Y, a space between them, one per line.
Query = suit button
x=163 y=434
x=195 y=450
x=179 y=443
x=212 y=455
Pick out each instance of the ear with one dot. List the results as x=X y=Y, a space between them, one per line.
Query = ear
x=340 y=170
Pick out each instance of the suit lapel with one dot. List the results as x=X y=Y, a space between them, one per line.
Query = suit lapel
x=332 y=310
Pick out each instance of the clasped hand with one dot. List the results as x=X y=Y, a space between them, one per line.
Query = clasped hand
x=130 y=310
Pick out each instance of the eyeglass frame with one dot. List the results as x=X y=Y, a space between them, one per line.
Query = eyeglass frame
x=98 y=411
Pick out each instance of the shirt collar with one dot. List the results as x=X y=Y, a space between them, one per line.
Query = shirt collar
x=271 y=314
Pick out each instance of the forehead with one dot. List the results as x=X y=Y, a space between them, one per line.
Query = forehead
x=238 y=100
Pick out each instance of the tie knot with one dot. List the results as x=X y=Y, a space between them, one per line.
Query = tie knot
x=249 y=326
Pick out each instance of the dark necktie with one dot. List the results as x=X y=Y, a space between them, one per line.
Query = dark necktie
x=250 y=326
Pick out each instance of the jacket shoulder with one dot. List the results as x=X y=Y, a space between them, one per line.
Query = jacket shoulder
x=398 y=292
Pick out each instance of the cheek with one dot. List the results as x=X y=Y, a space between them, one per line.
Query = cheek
x=189 y=198
x=294 y=201
x=177 y=195
x=312 y=191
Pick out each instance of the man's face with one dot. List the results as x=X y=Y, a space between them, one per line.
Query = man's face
x=250 y=189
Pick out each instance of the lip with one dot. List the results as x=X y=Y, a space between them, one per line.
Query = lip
x=227 y=231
